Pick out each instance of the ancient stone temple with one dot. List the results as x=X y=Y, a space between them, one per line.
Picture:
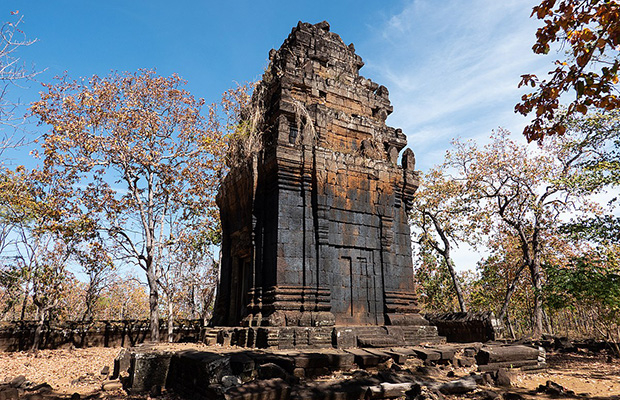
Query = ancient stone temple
x=316 y=244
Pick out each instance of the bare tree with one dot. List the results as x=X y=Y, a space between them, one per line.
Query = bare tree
x=13 y=72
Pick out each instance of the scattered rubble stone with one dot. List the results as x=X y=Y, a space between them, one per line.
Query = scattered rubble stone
x=553 y=389
x=111 y=386
x=21 y=388
x=512 y=396
x=464 y=362
x=503 y=378
x=271 y=371
x=268 y=389
x=488 y=395
x=18 y=381
x=494 y=357
x=41 y=387
x=230 y=380
x=9 y=393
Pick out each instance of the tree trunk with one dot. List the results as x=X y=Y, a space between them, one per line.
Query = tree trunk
x=548 y=322
x=445 y=252
x=22 y=315
x=88 y=312
x=510 y=328
x=36 y=342
x=509 y=292
x=193 y=302
x=537 y=330
x=457 y=284
x=153 y=303
x=170 y=321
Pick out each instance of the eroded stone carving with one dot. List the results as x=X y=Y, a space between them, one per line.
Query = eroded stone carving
x=315 y=230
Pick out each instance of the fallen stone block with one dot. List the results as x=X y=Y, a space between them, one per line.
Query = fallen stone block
x=459 y=386
x=379 y=353
x=541 y=366
x=271 y=371
x=365 y=359
x=284 y=360
x=464 y=362
x=122 y=362
x=340 y=360
x=311 y=360
x=400 y=357
x=495 y=354
x=446 y=352
x=488 y=395
x=388 y=390
x=147 y=369
x=242 y=365
x=111 y=386
x=18 y=381
x=198 y=372
x=503 y=378
x=427 y=354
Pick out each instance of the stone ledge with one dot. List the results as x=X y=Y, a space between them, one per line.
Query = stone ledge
x=217 y=372
x=341 y=337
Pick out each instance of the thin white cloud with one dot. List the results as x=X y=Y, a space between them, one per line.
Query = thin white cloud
x=453 y=68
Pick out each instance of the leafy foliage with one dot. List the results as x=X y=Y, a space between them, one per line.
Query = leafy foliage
x=525 y=192
x=601 y=133
x=585 y=280
x=139 y=158
x=591 y=31
x=44 y=230
x=591 y=282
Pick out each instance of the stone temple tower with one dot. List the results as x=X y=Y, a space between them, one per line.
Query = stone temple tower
x=316 y=246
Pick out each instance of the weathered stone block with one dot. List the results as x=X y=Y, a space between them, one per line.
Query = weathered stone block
x=344 y=338
x=495 y=354
x=122 y=362
x=147 y=369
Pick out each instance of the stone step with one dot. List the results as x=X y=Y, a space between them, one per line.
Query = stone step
x=426 y=354
x=401 y=354
x=380 y=353
x=447 y=351
x=364 y=359
x=532 y=369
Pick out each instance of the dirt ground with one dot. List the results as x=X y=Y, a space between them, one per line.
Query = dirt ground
x=67 y=371
x=591 y=375
x=71 y=371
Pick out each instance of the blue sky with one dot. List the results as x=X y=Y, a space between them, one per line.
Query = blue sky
x=452 y=67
